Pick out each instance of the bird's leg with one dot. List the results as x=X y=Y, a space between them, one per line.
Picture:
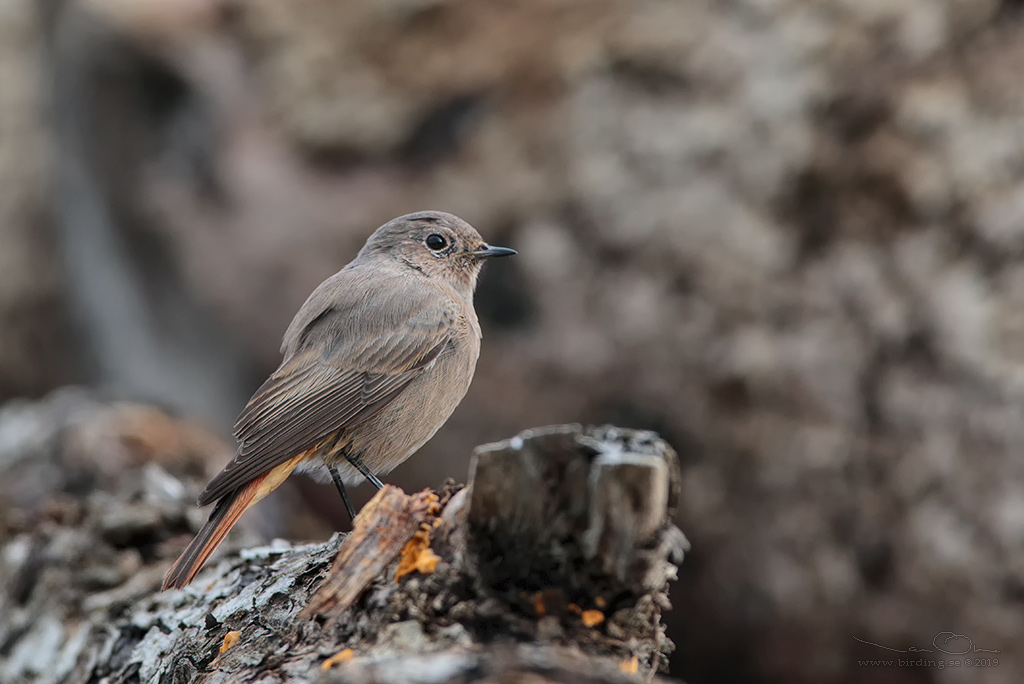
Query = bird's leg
x=333 y=470
x=344 y=492
x=361 y=467
x=358 y=464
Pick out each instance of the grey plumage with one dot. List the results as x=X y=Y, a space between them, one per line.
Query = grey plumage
x=374 y=363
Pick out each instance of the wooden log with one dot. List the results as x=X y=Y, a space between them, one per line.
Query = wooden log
x=551 y=566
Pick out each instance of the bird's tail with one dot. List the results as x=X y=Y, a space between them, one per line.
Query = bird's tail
x=225 y=514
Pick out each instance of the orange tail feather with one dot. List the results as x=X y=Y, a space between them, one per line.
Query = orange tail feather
x=224 y=516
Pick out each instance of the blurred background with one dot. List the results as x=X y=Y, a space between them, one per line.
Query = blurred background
x=786 y=234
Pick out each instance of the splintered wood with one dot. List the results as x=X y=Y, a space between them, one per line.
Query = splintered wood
x=554 y=500
x=381 y=530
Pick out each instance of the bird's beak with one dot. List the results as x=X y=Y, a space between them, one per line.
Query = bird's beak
x=488 y=252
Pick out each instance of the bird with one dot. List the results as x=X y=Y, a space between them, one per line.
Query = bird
x=373 y=364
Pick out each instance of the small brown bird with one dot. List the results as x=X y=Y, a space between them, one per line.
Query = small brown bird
x=374 y=363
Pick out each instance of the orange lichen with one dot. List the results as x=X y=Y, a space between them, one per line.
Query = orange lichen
x=631 y=666
x=573 y=608
x=538 y=604
x=230 y=639
x=592 y=618
x=433 y=505
x=338 y=658
x=600 y=602
x=417 y=556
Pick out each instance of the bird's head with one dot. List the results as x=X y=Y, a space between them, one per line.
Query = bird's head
x=437 y=245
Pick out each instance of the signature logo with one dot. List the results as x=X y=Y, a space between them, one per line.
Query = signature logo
x=949 y=643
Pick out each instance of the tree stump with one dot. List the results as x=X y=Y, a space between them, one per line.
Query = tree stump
x=552 y=565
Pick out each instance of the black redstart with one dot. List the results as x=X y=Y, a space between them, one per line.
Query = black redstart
x=374 y=363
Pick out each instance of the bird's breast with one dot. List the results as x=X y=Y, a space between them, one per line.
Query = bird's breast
x=393 y=434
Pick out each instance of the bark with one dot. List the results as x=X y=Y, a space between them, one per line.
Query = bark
x=552 y=565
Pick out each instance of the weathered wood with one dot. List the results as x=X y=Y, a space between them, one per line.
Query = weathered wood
x=553 y=499
x=379 y=533
x=511 y=664
x=551 y=566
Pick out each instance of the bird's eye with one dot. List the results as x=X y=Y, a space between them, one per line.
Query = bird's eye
x=436 y=242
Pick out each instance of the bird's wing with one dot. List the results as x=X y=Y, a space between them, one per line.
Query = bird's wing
x=367 y=359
